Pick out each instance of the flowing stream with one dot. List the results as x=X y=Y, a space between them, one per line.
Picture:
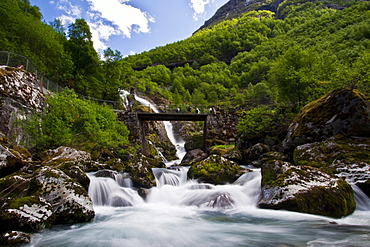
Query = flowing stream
x=183 y=213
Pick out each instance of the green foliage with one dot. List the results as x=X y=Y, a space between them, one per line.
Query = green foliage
x=256 y=122
x=79 y=123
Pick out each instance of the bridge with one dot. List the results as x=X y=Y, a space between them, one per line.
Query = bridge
x=144 y=116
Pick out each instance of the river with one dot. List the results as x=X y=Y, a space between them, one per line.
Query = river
x=181 y=212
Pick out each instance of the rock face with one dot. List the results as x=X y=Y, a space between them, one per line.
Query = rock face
x=21 y=95
x=215 y=170
x=345 y=112
x=304 y=189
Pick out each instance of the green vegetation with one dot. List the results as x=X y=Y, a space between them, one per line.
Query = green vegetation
x=256 y=58
x=70 y=121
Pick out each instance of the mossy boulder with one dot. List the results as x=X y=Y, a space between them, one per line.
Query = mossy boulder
x=304 y=189
x=346 y=157
x=28 y=214
x=193 y=156
x=215 y=170
x=343 y=111
x=64 y=153
x=194 y=142
x=71 y=202
x=140 y=168
x=254 y=153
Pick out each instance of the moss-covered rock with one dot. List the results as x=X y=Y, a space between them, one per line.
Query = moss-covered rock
x=343 y=111
x=194 y=142
x=28 y=214
x=345 y=157
x=193 y=156
x=305 y=189
x=69 y=199
x=140 y=168
x=215 y=170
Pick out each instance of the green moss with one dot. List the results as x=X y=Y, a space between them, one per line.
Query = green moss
x=19 y=202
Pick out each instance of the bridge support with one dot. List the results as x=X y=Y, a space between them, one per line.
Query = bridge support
x=172 y=117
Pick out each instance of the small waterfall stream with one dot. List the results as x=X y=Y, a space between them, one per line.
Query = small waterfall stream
x=181 y=212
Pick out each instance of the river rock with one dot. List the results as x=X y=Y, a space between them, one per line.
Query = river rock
x=343 y=111
x=69 y=199
x=21 y=207
x=64 y=153
x=215 y=170
x=193 y=156
x=141 y=172
x=347 y=157
x=304 y=189
x=14 y=238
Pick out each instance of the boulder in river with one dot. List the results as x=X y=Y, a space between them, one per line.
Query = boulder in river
x=304 y=189
x=215 y=170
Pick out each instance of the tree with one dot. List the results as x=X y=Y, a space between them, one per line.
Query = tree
x=81 y=47
x=291 y=74
x=78 y=123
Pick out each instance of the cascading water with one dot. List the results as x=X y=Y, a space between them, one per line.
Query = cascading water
x=179 y=144
x=181 y=212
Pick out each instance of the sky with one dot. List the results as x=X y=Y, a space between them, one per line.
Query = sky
x=132 y=26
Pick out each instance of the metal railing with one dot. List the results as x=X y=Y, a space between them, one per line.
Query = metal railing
x=15 y=60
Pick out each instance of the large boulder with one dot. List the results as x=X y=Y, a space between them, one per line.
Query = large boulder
x=21 y=207
x=346 y=157
x=304 y=189
x=215 y=170
x=71 y=202
x=193 y=156
x=140 y=168
x=343 y=111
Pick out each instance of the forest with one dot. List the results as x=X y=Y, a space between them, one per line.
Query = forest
x=259 y=58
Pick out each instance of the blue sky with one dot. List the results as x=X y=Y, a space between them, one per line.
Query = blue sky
x=132 y=26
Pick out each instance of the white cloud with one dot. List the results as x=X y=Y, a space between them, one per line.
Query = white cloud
x=199 y=7
x=105 y=18
x=125 y=17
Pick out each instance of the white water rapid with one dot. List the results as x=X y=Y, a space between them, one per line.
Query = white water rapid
x=183 y=213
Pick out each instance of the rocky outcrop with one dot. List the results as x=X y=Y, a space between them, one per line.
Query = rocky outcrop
x=215 y=170
x=21 y=95
x=304 y=189
x=343 y=111
x=38 y=194
x=346 y=157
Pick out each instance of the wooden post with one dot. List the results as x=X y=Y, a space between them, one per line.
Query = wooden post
x=205 y=132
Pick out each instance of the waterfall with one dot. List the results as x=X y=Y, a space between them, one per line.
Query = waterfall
x=179 y=144
x=362 y=200
x=106 y=191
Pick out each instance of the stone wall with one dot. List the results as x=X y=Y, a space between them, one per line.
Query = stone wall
x=222 y=126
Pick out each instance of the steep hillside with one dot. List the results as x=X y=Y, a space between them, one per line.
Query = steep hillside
x=235 y=8
x=260 y=59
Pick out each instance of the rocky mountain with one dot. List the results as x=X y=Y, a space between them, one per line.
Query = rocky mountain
x=235 y=8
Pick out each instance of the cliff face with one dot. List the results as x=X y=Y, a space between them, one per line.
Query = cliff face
x=20 y=96
x=235 y=8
